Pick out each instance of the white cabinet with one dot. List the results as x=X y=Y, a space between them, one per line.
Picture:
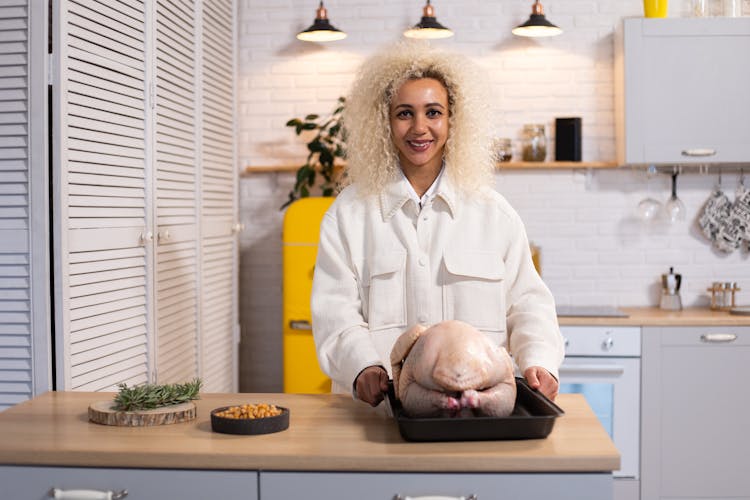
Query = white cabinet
x=141 y=211
x=695 y=413
x=388 y=486
x=681 y=91
x=145 y=194
x=36 y=482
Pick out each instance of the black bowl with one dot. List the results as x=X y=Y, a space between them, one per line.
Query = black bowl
x=265 y=425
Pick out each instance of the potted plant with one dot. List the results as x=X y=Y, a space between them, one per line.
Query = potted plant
x=323 y=149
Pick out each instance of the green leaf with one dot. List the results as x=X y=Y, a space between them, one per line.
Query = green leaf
x=311 y=117
x=309 y=126
x=303 y=173
x=293 y=122
x=328 y=191
x=315 y=146
x=326 y=158
x=304 y=193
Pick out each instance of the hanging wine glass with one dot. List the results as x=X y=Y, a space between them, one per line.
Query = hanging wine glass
x=649 y=207
x=674 y=207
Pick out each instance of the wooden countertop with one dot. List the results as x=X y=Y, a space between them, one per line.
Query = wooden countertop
x=327 y=433
x=653 y=316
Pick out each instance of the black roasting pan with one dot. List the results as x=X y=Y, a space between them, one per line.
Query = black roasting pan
x=533 y=418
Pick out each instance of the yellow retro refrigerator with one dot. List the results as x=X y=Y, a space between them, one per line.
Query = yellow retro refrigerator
x=301 y=229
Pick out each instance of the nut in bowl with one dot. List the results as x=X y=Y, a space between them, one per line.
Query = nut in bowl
x=261 y=418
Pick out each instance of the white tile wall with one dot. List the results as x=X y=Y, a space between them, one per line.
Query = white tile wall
x=594 y=249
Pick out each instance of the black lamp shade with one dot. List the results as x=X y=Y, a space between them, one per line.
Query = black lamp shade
x=321 y=29
x=537 y=25
x=428 y=27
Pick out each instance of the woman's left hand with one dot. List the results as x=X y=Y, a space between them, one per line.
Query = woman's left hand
x=541 y=379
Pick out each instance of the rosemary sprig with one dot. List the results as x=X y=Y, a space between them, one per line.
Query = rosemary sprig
x=150 y=396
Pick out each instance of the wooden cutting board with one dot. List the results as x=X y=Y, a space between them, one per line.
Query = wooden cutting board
x=101 y=412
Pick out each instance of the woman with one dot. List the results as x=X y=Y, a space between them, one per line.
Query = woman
x=419 y=235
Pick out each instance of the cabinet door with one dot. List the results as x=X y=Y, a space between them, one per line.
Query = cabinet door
x=387 y=486
x=695 y=412
x=219 y=212
x=36 y=482
x=684 y=92
x=24 y=194
x=175 y=185
x=101 y=213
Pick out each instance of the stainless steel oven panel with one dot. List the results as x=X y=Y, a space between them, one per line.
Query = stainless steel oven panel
x=602 y=340
x=623 y=375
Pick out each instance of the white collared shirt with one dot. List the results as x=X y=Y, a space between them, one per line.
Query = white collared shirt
x=383 y=265
x=429 y=194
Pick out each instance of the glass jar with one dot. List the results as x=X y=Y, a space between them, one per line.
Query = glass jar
x=732 y=8
x=503 y=149
x=709 y=8
x=534 y=143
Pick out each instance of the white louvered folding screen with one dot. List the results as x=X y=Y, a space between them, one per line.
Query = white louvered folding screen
x=24 y=241
x=102 y=164
x=147 y=222
x=219 y=195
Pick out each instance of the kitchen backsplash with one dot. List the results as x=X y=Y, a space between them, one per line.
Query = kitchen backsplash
x=595 y=250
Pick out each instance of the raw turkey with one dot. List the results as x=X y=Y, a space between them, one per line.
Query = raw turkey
x=452 y=369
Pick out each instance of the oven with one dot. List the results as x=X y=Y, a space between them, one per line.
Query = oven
x=603 y=364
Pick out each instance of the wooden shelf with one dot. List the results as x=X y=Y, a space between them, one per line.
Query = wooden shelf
x=512 y=165
x=555 y=165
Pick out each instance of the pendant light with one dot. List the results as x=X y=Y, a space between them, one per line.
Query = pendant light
x=428 y=27
x=537 y=25
x=321 y=29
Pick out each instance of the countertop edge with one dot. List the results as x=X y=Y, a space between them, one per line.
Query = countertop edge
x=653 y=316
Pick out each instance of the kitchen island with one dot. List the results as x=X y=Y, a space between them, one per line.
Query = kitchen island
x=334 y=448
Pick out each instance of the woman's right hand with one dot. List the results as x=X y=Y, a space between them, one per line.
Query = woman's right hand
x=372 y=384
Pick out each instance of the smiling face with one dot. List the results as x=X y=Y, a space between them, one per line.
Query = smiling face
x=419 y=127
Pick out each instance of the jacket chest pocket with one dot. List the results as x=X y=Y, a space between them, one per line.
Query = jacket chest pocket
x=384 y=291
x=474 y=289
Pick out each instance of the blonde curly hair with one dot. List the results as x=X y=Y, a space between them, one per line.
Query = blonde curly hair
x=372 y=158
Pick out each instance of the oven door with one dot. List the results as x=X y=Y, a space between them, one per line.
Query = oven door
x=611 y=386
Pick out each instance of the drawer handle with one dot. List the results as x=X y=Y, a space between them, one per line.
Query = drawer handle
x=300 y=324
x=699 y=152
x=717 y=338
x=87 y=494
x=470 y=497
x=592 y=369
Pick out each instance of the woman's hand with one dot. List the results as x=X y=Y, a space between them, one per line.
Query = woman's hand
x=371 y=385
x=539 y=378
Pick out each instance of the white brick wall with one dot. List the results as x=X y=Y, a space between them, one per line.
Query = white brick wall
x=594 y=249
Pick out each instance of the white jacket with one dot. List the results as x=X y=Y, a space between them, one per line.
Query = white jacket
x=383 y=266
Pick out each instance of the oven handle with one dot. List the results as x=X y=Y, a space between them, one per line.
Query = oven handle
x=592 y=369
